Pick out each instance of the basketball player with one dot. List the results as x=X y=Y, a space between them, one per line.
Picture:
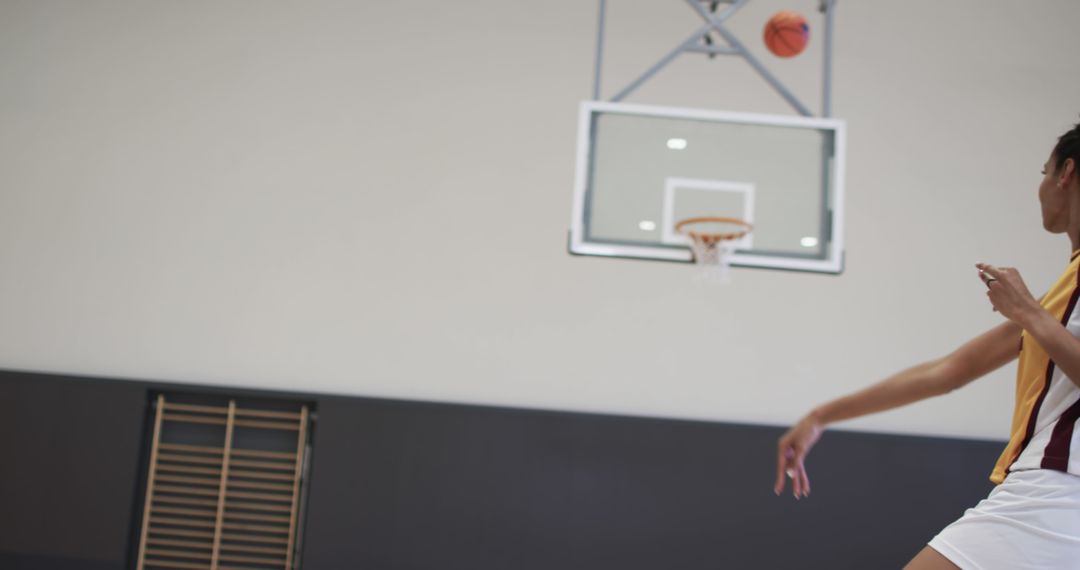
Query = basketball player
x=1031 y=520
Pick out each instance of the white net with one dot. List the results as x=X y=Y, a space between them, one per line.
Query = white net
x=713 y=258
x=713 y=241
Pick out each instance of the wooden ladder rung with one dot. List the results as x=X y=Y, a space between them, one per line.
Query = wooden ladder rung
x=261 y=475
x=171 y=500
x=263 y=454
x=253 y=538
x=255 y=549
x=179 y=511
x=181 y=532
x=185 y=418
x=191 y=480
x=196 y=408
x=171 y=564
x=180 y=543
x=259 y=496
x=261 y=518
x=255 y=528
x=264 y=425
x=188 y=491
x=189 y=459
x=192 y=448
x=176 y=554
x=185 y=469
x=252 y=559
x=263 y=486
x=181 y=522
x=267 y=414
x=243 y=505
x=265 y=464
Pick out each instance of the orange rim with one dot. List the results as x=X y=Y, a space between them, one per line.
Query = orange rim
x=713 y=237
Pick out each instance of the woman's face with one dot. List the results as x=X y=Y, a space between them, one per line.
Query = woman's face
x=1053 y=196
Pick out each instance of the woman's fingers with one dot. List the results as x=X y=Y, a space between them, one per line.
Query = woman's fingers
x=789 y=466
x=800 y=481
x=1007 y=292
x=989 y=273
x=791 y=453
x=781 y=467
x=794 y=469
x=804 y=479
x=997 y=280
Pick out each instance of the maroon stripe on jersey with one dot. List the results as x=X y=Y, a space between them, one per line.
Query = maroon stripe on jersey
x=1046 y=387
x=1056 y=454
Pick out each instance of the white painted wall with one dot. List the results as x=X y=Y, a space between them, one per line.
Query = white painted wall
x=372 y=198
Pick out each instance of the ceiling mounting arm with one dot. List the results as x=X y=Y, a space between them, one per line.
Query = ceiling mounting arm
x=699 y=42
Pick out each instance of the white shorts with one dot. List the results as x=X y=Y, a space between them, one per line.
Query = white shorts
x=1031 y=521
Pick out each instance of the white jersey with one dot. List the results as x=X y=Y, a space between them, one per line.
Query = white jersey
x=1044 y=428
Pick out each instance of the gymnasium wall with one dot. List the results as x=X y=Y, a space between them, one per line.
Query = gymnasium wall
x=371 y=199
x=415 y=486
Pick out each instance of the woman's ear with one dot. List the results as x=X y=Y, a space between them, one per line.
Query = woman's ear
x=1068 y=173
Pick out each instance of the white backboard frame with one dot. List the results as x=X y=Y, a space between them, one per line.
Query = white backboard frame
x=834 y=258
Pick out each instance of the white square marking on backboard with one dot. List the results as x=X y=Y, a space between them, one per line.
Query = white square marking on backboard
x=671 y=184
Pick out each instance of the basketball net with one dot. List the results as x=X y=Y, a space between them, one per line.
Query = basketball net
x=712 y=250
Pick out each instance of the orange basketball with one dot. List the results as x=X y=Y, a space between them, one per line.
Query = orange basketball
x=786 y=33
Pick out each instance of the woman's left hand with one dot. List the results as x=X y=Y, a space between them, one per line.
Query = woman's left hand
x=1008 y=293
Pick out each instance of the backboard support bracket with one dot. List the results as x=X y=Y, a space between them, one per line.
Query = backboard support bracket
x=700 y=42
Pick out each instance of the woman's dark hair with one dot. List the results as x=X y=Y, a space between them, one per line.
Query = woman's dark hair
x=1068 y=146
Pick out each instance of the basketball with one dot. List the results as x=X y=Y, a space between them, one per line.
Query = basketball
x=786 y=34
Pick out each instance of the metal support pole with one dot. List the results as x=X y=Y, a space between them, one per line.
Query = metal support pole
x=599 y=50
x=826 y=94
x=826 y=110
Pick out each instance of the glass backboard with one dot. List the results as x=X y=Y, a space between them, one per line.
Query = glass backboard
x=641 y=169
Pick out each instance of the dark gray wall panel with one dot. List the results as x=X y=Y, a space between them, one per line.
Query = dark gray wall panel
x=71 y=458
x=418 y=486
x=408 y=485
